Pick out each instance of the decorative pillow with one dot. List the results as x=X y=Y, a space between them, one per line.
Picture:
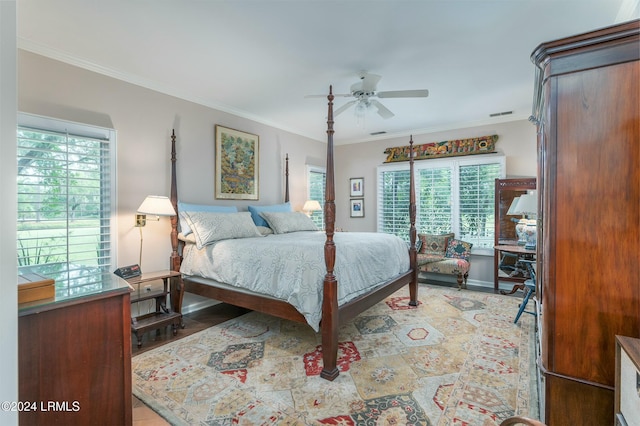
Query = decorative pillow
x=186 y=207
x=434 y=244
x=256 y=210
x=264 y=230
x=458 y=249
x=282 y=223
x=209 y=227
x=187 y=238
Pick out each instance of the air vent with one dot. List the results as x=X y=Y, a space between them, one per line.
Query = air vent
x=377 y=133
x=498 y=114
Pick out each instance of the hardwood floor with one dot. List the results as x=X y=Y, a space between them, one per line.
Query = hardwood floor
x=194 y=322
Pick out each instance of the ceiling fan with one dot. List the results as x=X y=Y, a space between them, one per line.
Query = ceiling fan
x=364 y=92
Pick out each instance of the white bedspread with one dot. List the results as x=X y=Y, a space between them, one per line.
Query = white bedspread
x=291 y=266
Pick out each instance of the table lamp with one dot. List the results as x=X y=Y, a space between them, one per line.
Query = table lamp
x=527 y=206
x=311 y=206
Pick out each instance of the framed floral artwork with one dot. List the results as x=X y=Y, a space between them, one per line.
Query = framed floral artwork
x=237 y=160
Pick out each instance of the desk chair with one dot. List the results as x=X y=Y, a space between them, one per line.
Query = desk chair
x=529 y=289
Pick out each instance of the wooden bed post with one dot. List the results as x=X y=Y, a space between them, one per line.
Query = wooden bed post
x=177 y=293
x=332 y=314
x=286 y=178
x=174 y=259
x=413 y=253
x=330 y=318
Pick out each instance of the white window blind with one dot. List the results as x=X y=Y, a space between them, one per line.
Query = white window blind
x=476 y=196
x=452 y=195
x=436 y=197
x=317 y=179
x=393 y=202
x=66 y=200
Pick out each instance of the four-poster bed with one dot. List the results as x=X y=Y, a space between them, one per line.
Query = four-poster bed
x=336 y=308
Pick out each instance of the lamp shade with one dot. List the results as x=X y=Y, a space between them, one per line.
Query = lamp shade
x=157 y=205
x=311 y=206
x=527 y=204
x=513 y=206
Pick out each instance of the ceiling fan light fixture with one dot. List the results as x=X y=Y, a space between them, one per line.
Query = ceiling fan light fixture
x=360 y=111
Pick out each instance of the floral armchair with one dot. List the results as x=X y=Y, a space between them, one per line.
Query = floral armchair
x=444 y=254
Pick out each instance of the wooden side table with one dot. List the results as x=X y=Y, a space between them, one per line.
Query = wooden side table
x=519 y=252
x=162 y=316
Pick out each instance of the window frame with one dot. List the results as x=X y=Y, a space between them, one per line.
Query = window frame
x=81 y=130
x=447 y=162
x=322 y=170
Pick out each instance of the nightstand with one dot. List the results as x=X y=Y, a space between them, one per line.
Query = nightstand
x=162 y=316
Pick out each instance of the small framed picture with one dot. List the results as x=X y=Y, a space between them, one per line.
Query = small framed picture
x=357 y=207
x=356 y=187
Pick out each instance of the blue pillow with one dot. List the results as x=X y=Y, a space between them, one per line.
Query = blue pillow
x=274 y=208
x=185 y=207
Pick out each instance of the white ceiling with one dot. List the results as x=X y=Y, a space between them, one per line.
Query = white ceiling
x=259 y=58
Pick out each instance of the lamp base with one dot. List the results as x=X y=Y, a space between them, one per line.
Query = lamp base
x=531 y=235
x=520 y=232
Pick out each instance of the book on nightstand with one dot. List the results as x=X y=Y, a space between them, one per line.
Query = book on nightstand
x=32 y=287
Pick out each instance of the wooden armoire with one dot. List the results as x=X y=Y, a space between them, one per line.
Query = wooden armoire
x=587 y=109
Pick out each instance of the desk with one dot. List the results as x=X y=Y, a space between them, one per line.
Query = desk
x=519 y=275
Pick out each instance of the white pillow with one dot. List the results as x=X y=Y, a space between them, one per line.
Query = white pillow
x=256 y=210
x=187 y=238
x=282 y=223
x=209 y=227
x=187 y=207
x=264 y=230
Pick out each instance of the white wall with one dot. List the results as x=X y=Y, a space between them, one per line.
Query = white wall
x=8 y=267
x=144 y=120
x=516 y=139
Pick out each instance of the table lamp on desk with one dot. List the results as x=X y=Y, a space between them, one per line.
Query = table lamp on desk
x=527 y=206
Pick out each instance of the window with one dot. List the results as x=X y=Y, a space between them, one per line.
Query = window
x=452 y=195
x=317 y=178
x=66 y=201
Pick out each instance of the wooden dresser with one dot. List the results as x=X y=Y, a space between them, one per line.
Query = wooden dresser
x=75 y=357
x=587 y=106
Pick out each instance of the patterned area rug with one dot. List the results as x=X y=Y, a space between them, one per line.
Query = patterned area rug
x=455 y=359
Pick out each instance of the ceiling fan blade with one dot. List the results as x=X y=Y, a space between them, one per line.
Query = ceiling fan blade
x=382 y=110
x=344 y=107
x=404 y=94
x=369 y=82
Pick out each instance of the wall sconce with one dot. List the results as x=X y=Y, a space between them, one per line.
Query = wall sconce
x=152 y=205
x=311 y=206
